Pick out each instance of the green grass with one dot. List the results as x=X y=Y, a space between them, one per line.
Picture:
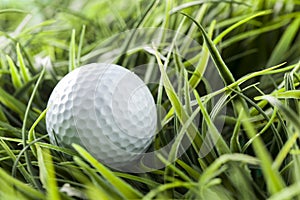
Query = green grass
x=254 y=48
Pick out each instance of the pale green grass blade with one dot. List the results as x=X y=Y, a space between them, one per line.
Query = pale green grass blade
x=266 y=117
x=264 y=129
x=153 y=193
x=273 y=179
x=118 y=183
x=95 y=193
x=11 y=102
x=289 y=85
x=190 y=170
x=295 y=94
x=172 y=157
x=8 y=192
x=284 y=152
x=24 y=71
x=174 y=168
x=24 y=136
x=56 y=148
x=12 y=156
x=80 y=46
x=284 y=43
x=218 y=140
x=195 y=3
x=145 y=180
x=47 y=173
x=72 y=52
x=210 y=172
x=178 y=107
x=235 y=145
x=290 y=115
x=202 y=64
x=221 y=66
x=252 y=33
x=16 y=79
x=25 y=188
x=12 y=10
x=239 y=23
x=31 y=134
x=290 y=192
x=102 y=185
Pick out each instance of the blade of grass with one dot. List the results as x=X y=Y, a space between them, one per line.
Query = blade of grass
x=80 y=44
x=16 y=79
x=12 y=10
x=234 y=141
x=95 y=193
x=12 y=156
x=178 y=107
x=2 y=115
x=239 y=23
x=202 y=64
x=210 y=172
x=285 y=150
x=47 y=173
x=221 y=66
x=99 y=181
x=284 y=43
x=20 y=154
x=195 y=3
x=273 y=179
x=24 y=137
x=287 y=193
x=24 y=71
x=72 y=52
x=25 y=188
x=253 y=33
x=291 y=116
x=220 y=143
x=118 y=183
x=165 y=187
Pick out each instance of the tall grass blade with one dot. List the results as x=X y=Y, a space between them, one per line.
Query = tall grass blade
x=118 y=183
x=284 y=43
x=24 y=71
x=47 y=173
x=16 y=79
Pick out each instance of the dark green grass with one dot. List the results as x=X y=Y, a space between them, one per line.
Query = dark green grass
x=254 y=47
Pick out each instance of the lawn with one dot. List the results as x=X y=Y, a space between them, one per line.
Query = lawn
x=224 y=75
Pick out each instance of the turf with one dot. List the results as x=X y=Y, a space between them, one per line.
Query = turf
x=251 y=46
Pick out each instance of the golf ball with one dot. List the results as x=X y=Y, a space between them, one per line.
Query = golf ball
x=106 y=109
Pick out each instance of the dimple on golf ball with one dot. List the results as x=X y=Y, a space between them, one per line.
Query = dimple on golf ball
x=105 y=108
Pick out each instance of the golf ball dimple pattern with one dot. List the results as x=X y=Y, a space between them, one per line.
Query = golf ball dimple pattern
x=105 y=108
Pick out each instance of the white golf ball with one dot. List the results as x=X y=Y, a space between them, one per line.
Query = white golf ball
x=106 y=109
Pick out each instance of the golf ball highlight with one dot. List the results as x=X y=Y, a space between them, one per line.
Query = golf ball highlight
x=105 y=108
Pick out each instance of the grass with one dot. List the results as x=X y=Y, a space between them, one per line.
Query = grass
x=253 y=48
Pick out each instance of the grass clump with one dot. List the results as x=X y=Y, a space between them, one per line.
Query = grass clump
x=253 y=48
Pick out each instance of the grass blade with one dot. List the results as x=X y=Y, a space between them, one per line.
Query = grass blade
x=24 y=137
x=72 y=52
x=221 y=66
x=118 y=183
x=47 y=173
x=284 y=43
x=273 y=179
x=25 y=188
x=24 y=71
x=16 y=79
